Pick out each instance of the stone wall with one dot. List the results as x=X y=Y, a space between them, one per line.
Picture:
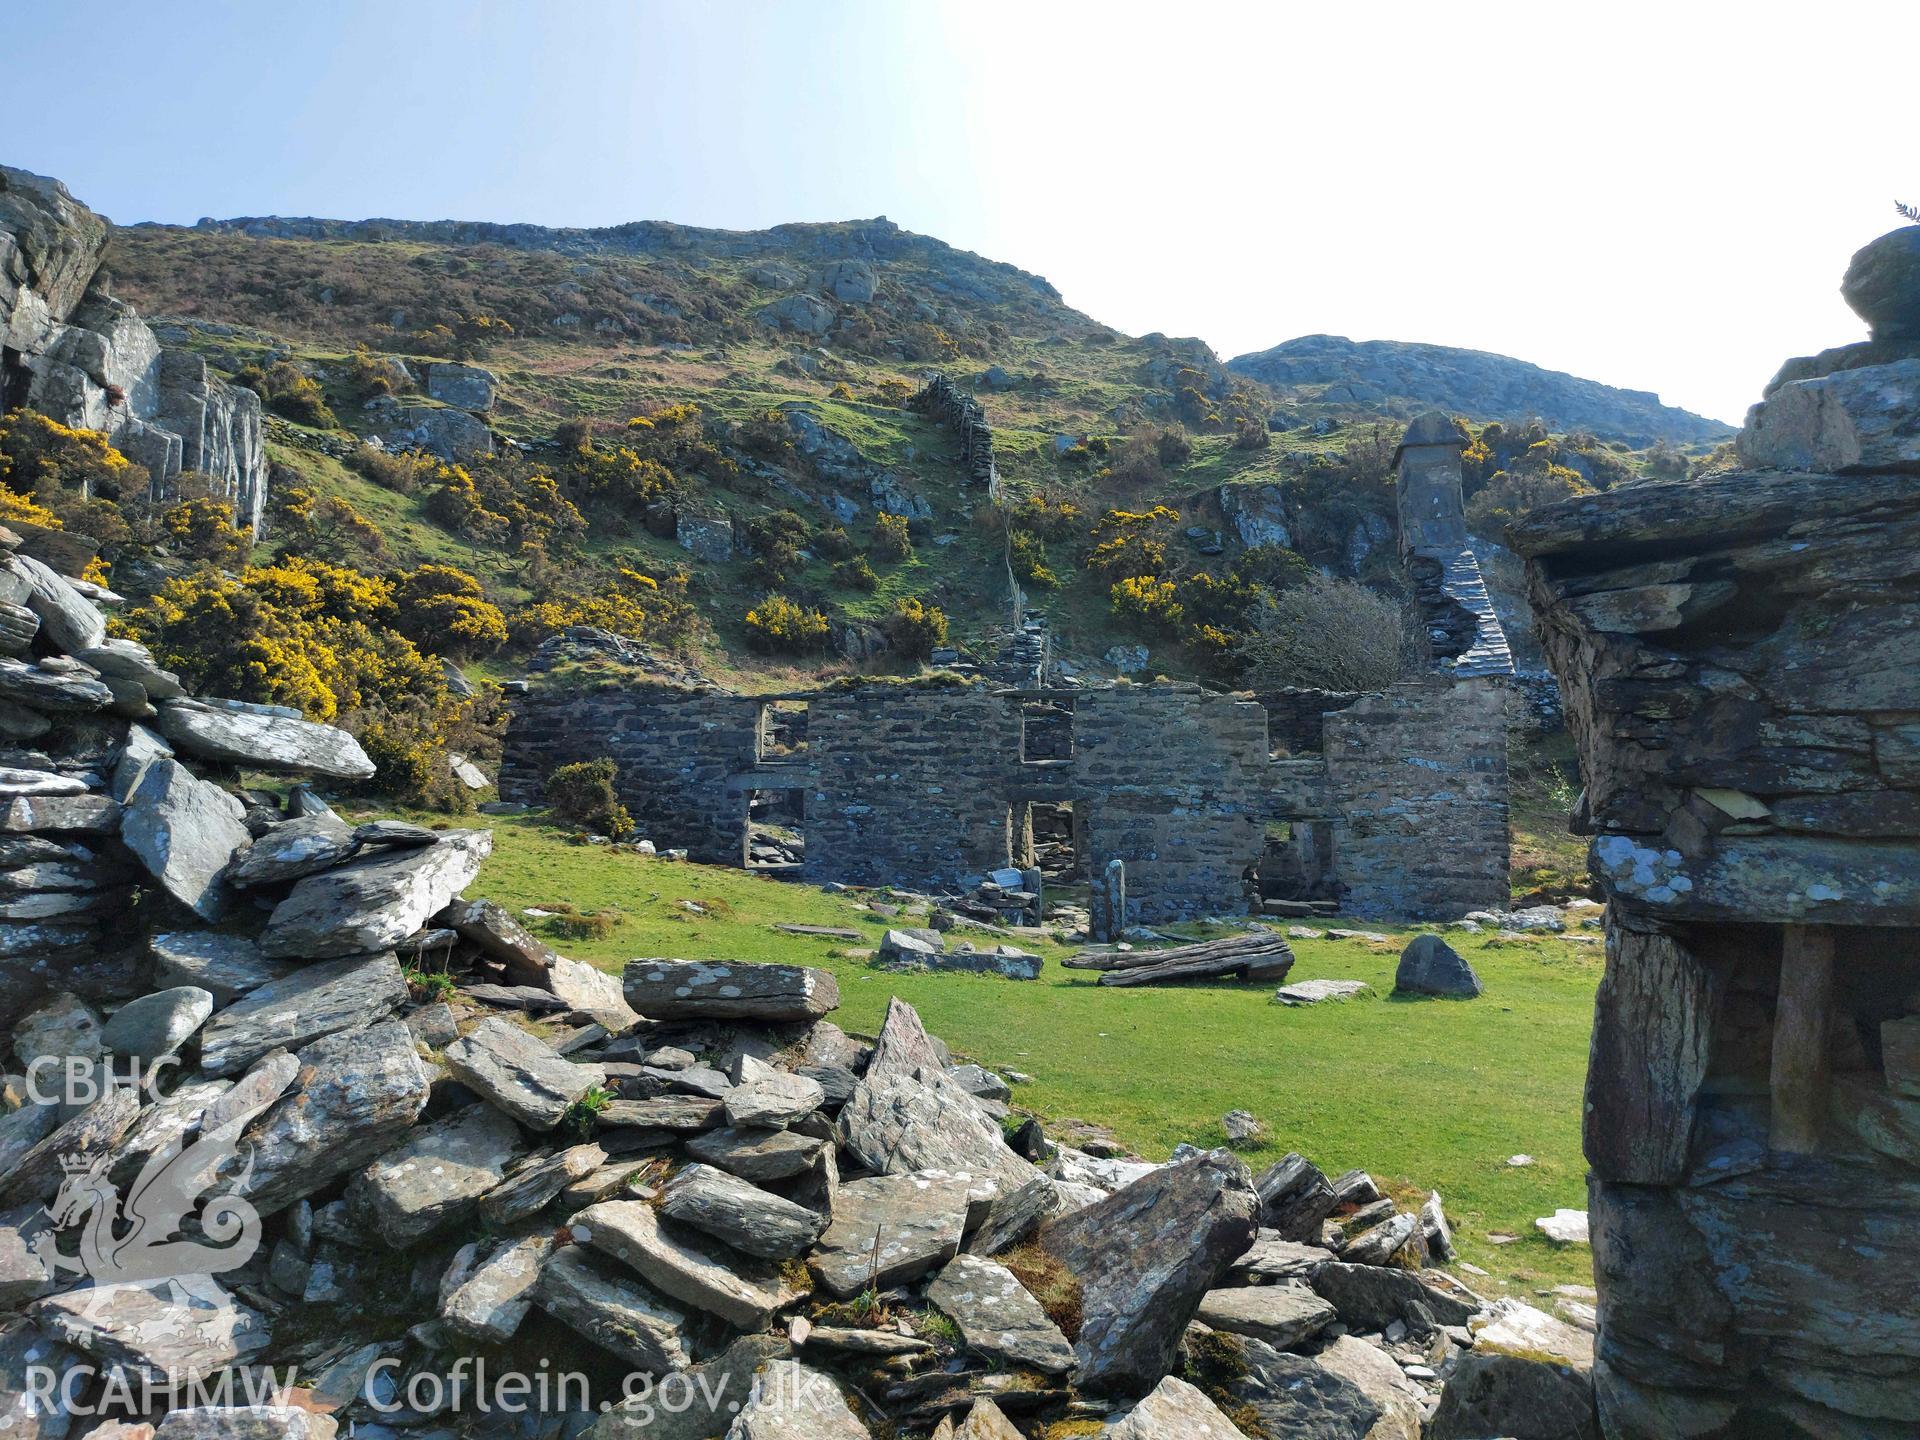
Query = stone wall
x=909 y=785
x=929 y=786
x=962 y=414
x=1296 y=717
x=1174 y=780
x=1418 y=778
x=1741 y=670
x=677 y=754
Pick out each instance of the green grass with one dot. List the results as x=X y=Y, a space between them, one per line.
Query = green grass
x=1423 y=1094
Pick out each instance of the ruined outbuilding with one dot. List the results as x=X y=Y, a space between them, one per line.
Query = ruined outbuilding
x=1740 y=660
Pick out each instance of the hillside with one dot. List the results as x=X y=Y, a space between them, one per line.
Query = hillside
x=1396 y=377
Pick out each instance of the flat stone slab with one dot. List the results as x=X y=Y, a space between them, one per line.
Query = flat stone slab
x=770 y=1099
x=998 y=1318
x=157 y=1024
x=711 y=990
x=292 y=851
x=144 y=1333
x=255 y=737
x=613 y=1310
x=185 y=830
x=1564 y=1227
x=530 y=1187
x=517 y=1072
x=493 y=1297
x=1273 y=1258
x=1282 y=1315
x=437 y=1177
x=1372 y=1297
x=288 y=1013
x=751 y=1220
x=226 y=966
x=1318 y=992
x=674 y=1263
x=758 y=1155
x=917 y=1217
x=374 y=903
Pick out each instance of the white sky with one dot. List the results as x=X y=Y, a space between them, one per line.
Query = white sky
x=1655 y=195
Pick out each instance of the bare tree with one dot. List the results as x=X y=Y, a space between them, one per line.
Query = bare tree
x=1324 y=634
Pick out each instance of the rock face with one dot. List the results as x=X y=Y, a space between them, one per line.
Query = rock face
x=80 y=356
x=1739 y=662
x=1399 y=378
x=1138 y=1290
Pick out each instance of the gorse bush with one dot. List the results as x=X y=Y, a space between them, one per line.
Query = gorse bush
x=1128 y=543
x=1149 y=602
x=915 y=629
x=289 y=392
x=445 y=608
x=582 y=794
x=639 y=606
x=856 y=574
x=892 y=539
x=1027 y=553
x=779 y=626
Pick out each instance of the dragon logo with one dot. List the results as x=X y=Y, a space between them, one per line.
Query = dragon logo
x=136 y=1241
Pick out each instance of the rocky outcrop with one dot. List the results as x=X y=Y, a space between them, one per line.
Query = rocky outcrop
x=78 y=355
x=1403 y=378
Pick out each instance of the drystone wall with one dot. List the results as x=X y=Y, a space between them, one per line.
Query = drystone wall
x=1418 y=778
x=676 y=753
x=962 y=414
x=1175 y=784
x=1741 y=669
x=908 y=786
x=933 y=785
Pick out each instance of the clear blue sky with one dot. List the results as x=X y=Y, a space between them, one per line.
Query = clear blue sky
x=1655 y=195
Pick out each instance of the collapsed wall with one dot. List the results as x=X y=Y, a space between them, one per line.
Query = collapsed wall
x=71 y=351
x=1741 y=665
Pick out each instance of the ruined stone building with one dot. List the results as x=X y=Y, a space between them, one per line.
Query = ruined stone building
x=1740 y=658
x=1392 y=803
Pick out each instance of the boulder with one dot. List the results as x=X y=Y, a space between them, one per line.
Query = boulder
x=1375 y=1373
x=711 y=990
x=528 y=961
x=805 y=314
x=356 y=1095
x=27 y=1413
x=226 y=966
x=700 y=1274
x=891 y=1228
x=997 y=1317
x=1378 y=1244
x=616 y=1312
x=517 y=1073
x=1852 y=420
x=60 y=1027
x=450 y=434
x=1145 y=1257
x=1524 y=1399
x=708 y=1407
x=374 y=903
x=1430 y=966
x=118 y=659
x=1517 y=1328
x=488 y=1300
x=437 y=1177
x=751 y=1220
x=1285 y=1316
x=1882 y=284
x=157 y=1024
x=849 y=281
x=1295 y=1198
x=184 y=830
x=42 y=690
x=89 y=1136
x=293 y=850
x=465 y=387
x=304 y=1006
x=1273 y=1259
x=793 y=1402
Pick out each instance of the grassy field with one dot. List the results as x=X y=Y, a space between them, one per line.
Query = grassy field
x=1421 y=1093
